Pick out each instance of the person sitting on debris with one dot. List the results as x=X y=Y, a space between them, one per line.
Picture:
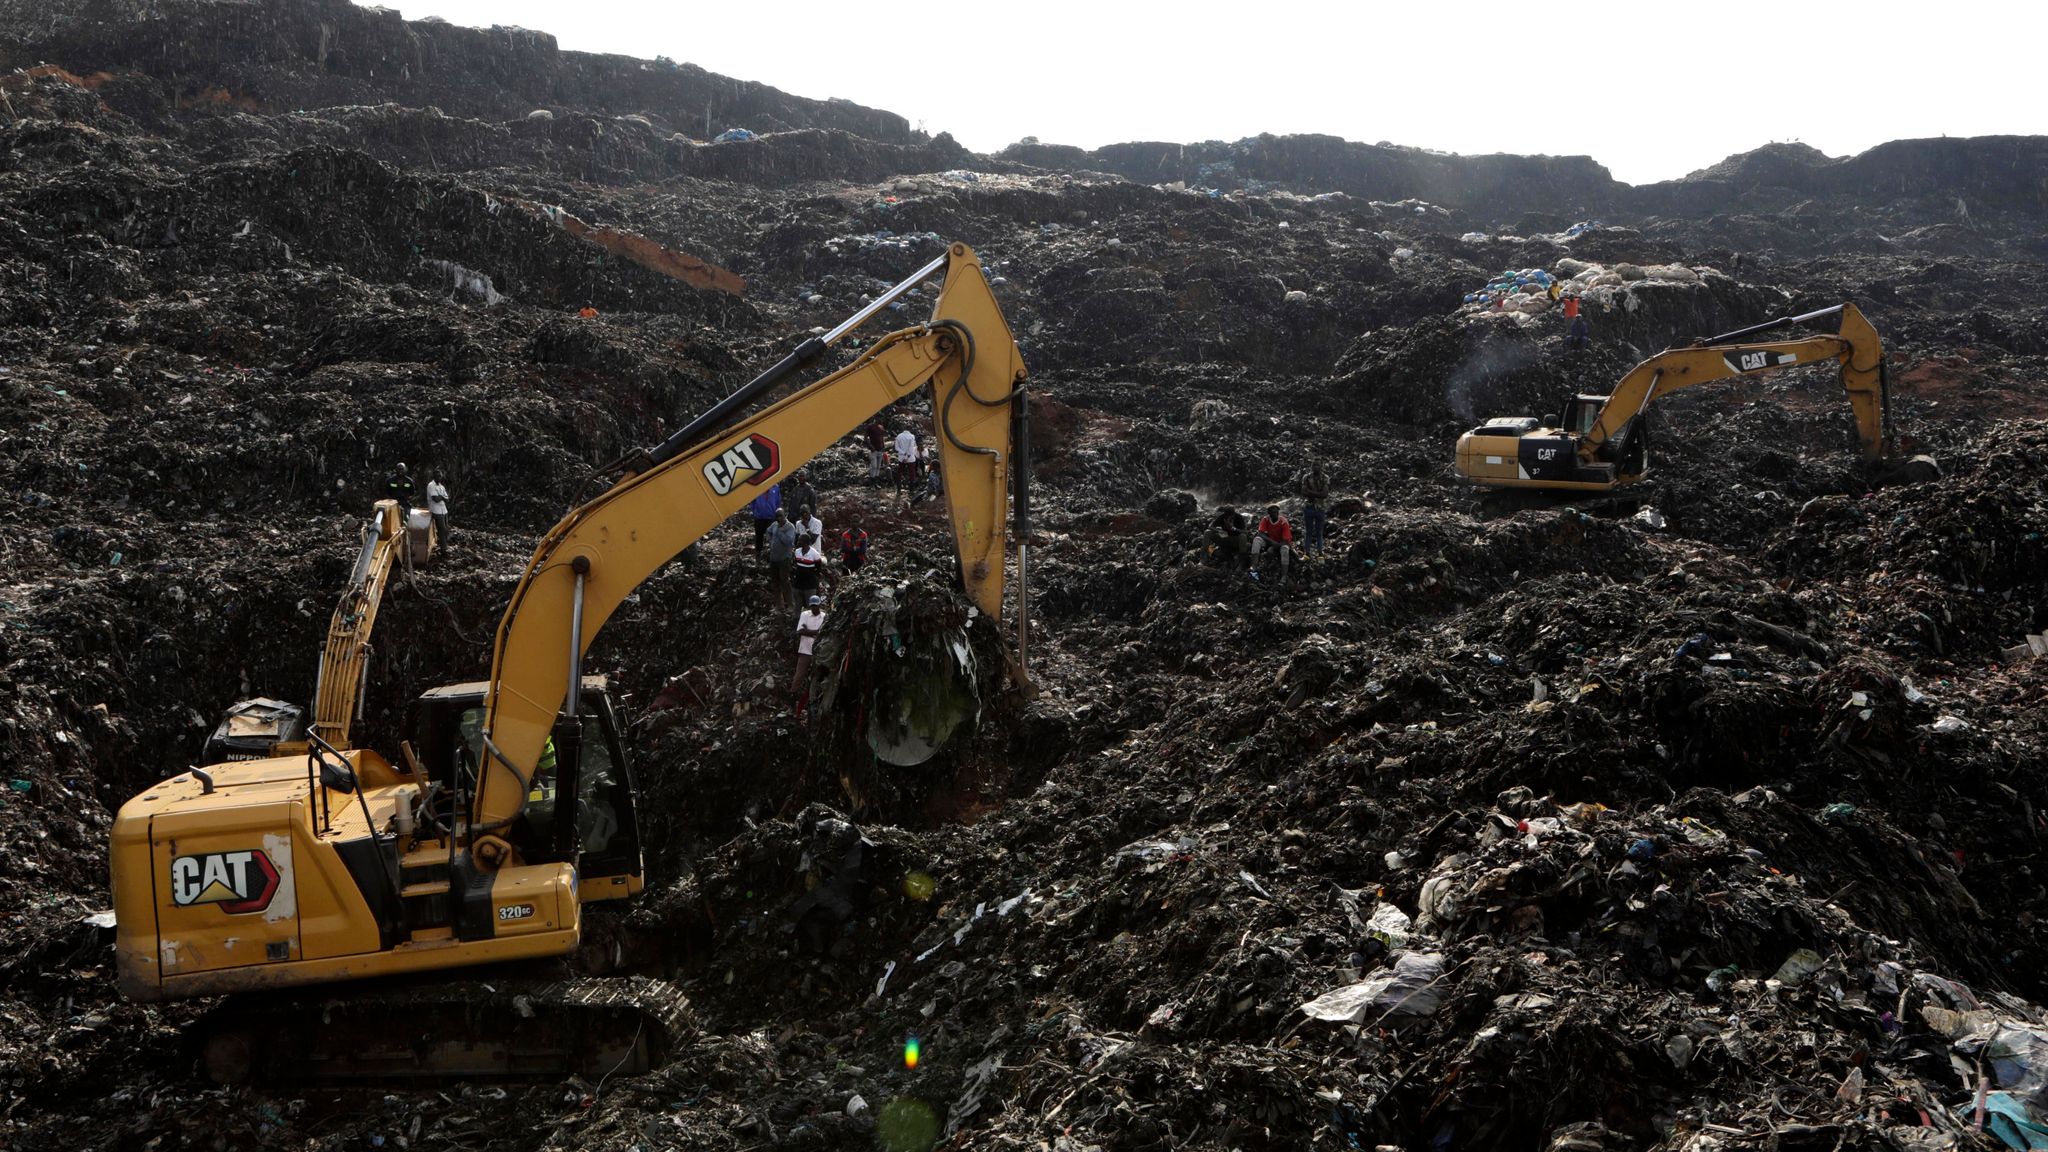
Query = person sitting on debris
x=877 y=438
x=1274 y=532
x=809 y=623
x=807 y=522
x=437 y=504
x=1225 y=538
x=853 y=546
x=801 y=495
x=763 y=509
x=805 y=565
x=1315 y=495
x=399 y=487
x=1579 y=335
x=781 y=555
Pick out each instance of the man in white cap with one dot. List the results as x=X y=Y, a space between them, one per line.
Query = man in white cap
x=809 y=623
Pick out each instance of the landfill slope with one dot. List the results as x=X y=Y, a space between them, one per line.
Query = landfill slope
x=1704 y=818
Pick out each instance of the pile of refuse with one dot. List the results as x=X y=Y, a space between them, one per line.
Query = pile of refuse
x=1707 y=817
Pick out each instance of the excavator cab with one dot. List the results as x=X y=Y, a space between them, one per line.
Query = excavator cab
x=445 y=729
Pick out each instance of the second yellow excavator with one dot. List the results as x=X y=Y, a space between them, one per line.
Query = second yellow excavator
x=1599 y=443
x=513 y=805
x=262 y=727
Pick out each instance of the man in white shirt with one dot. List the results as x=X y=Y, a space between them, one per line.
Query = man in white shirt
x=437 y=504
x=807 y=522
x=809 y=623
x=906 y=460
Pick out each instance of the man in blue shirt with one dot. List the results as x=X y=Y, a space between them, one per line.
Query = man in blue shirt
x=763 y=509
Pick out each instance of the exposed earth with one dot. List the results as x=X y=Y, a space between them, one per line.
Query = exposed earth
x=1705 y=819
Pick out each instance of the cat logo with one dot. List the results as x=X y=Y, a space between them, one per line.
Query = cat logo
x=1753 y=361
x=237 y=881
x=751 y=461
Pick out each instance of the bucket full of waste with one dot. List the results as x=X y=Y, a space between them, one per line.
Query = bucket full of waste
x=903 y=668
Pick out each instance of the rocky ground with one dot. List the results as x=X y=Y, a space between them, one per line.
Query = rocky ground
x=1708 y=819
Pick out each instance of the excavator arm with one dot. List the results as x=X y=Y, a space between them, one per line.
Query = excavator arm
x=345 y=656
x=593 y=559
x=1856 y=347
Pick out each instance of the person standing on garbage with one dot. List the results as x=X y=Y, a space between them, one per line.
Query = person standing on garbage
x=805 y=565
x=1274 y=532
x=801 y=495
x=808 y=524
x=763 y=509
x=399 y=487
x=906 y=460
x=853 y=546
x=781 y=555
x=437 y=504
x=877 y=438
x=1315 y=498
x=809 y=623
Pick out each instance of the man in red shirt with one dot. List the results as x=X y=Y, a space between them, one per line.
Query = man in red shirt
x=1273 y=532
x=853 y=546
x=877 y=439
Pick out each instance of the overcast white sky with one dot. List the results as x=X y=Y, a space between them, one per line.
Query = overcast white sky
x=1650 y=89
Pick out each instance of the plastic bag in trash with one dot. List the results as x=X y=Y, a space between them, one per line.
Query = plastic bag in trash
x=1389 y=925
x=1408 y=988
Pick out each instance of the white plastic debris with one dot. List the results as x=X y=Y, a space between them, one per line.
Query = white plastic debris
x=469 y=282
x=1408 y=988
x=1389 y=925
x=1950 y=725
x=1797 y=967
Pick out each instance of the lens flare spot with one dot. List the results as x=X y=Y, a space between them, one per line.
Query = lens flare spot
x=906 y=1125
x=912 y=1052
x=919 y=886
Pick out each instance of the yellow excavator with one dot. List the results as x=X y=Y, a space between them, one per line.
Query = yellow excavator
x=264 y=727
x=1599 y=443
x=468 y=846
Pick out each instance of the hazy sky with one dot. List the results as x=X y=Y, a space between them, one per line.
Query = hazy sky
x=1650 y=89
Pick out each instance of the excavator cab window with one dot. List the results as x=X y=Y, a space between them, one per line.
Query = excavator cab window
x=448 y=731
x=1581 y=412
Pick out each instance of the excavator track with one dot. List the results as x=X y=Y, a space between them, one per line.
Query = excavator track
x=506 y=1028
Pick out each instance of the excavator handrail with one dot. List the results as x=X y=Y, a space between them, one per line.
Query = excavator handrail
x=670 y=497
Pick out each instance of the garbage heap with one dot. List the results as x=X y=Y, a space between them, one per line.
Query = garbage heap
x=1527 y=293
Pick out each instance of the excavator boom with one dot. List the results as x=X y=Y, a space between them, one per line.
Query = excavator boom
x=590 y=561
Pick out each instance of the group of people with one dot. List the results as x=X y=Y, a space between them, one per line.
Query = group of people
x=1271 y=542
x=916 y=469
x=399 y=487
x=793 y=548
